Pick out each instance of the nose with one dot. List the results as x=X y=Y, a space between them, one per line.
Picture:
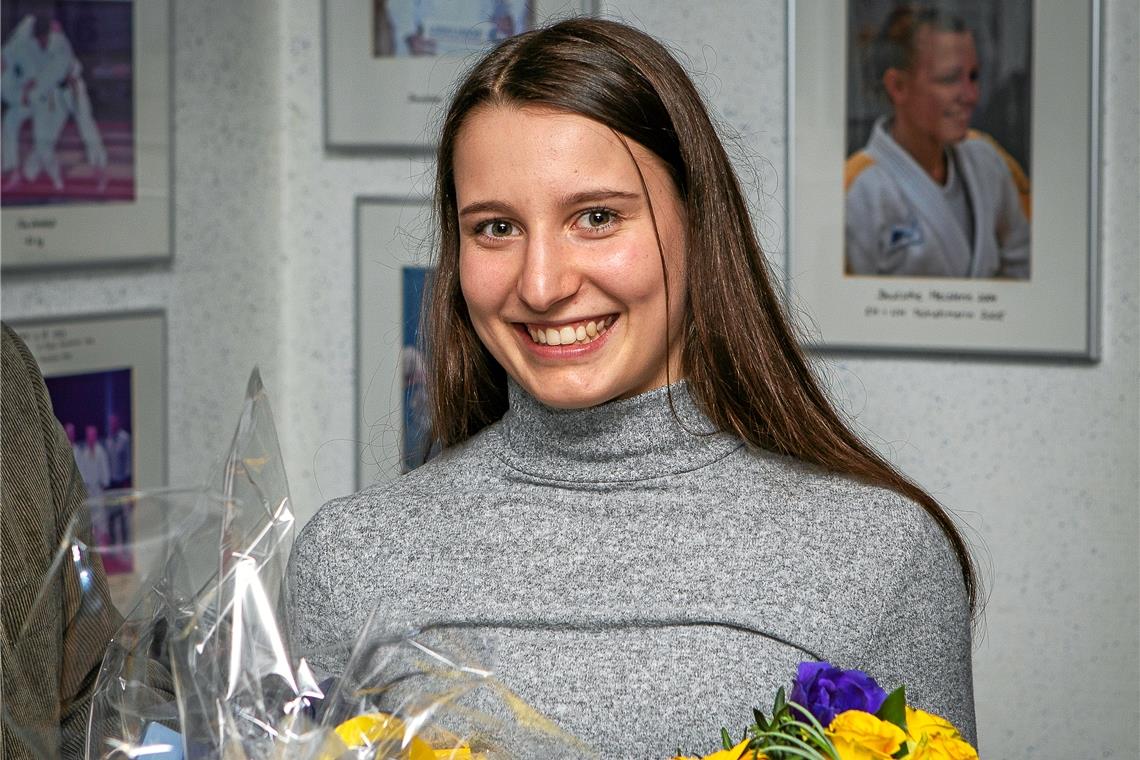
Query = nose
x=549 y=274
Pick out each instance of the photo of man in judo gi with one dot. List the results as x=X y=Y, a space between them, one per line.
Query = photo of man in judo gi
x=928 y=196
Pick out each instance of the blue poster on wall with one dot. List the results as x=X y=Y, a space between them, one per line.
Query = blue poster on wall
x=416 y=445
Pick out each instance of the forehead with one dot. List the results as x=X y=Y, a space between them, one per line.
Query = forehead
x=502 y=146
x=934 y=46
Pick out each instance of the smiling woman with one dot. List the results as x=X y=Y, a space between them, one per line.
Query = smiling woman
x=644 y=496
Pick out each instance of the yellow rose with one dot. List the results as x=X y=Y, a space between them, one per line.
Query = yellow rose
x=942 y=748
x=739 y=752
x=859 y=735
x=370 y=729
x=935 y=738
x=919 y=722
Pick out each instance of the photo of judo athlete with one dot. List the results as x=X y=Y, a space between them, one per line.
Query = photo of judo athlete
x=404 y=28
x=57 y=146
x=928 y=196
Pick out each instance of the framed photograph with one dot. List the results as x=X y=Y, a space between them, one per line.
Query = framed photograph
x=106 y=376
x=86 y=132
x=392 y=254
x=390 y=64
x=942 y=172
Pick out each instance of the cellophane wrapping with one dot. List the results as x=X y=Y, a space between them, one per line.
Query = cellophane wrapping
x=200 y=664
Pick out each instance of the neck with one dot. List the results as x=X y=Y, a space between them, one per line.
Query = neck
x=657 y=433
x=924 y=149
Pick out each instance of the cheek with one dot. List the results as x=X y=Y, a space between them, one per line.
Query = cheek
x=477 y=284
x=633 y=274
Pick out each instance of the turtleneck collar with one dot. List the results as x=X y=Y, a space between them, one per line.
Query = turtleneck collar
x=619 y=441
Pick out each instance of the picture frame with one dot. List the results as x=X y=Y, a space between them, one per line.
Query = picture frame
x=1051 y=312
x=391 y=244
x=85 y=349
x=99 y=192
x=378 y=95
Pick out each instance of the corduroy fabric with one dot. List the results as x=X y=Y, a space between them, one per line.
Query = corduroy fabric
x=49 y=674
x=642 y=580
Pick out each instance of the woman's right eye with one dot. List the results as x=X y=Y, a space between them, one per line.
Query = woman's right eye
x=496 y=228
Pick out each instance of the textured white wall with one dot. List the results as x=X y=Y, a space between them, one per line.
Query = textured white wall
x=1041 y=460
x=220 y=290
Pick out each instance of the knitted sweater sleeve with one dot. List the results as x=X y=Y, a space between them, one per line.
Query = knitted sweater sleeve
x=923 y=635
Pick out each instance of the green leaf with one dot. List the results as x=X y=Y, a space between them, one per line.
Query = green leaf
x=761 y=721
x=893 y=709
x=725 y=738
x=781 y=701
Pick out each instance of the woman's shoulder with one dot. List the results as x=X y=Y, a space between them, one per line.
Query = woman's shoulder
x=873 y=515
x=377 y=505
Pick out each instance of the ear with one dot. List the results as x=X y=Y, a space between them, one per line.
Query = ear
x=895 y=83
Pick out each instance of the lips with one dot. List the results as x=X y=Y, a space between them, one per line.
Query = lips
x=569 y=333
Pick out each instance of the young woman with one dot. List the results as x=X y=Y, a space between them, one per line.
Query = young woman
x=643 y=491
x=928 y=196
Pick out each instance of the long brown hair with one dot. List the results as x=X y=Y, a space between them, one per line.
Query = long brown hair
x=739 y=354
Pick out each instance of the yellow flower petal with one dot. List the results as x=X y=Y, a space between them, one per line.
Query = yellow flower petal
x=935 y=738
x=739 y=752
x=919 y=722
x=942 y=748
x=858 y=735
x=370 y=729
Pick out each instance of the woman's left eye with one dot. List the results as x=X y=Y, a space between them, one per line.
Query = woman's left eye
x=597 y=219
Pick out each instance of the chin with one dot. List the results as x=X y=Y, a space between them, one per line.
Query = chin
x=955 y=134
x=568 y=395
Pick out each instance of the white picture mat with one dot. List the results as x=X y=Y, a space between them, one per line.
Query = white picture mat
x=137 y=341
x=1052 y=314
x=392 y=102
x=53 y=236
x=391 y=234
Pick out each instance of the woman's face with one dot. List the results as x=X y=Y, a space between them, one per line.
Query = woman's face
x=938 y=95
x=558 y=256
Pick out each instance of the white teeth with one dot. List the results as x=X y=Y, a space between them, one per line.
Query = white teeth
x=563 y=336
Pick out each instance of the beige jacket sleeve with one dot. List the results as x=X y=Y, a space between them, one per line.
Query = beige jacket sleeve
x=51 y=650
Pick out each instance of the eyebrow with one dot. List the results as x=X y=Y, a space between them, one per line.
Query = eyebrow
x=574 y=199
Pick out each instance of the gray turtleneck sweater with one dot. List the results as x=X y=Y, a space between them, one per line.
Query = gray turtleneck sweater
x=643 y=580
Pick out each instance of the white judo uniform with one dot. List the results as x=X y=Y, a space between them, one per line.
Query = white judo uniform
x=46 y=85
x=899 y=222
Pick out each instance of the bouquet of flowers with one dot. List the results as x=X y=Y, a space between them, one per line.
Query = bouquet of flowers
x=836 y=714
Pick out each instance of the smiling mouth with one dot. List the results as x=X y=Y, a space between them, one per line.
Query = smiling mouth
x=570 y=333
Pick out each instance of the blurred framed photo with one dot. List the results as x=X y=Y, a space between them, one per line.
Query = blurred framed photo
x=106 y=376
x=942 y=168
x=392 y=279
x=86 y=132
x=389 y=64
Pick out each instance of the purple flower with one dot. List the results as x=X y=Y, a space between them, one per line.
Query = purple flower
x=826 y=691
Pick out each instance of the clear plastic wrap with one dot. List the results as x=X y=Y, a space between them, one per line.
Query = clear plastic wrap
x=182 y=604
